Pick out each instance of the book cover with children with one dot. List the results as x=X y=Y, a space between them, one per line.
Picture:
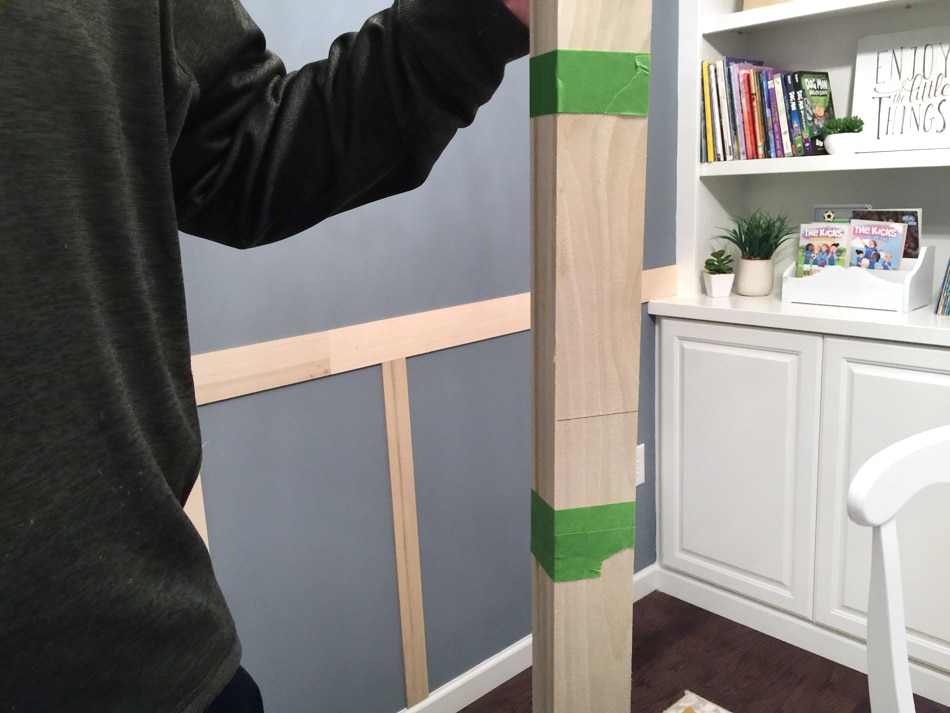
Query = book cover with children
x=911 y=216
x=816 y=107
x=821 y=245
x=877 y=245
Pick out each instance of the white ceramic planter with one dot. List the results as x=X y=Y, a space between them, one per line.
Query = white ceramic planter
x=754 y=277
x=718 y=285
x=842 y=144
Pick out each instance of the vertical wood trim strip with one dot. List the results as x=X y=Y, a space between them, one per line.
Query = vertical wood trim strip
x=406 y=529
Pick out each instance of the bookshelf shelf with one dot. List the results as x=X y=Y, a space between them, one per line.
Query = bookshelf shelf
x=799 y=11
x=918 y=327
x=817 y=164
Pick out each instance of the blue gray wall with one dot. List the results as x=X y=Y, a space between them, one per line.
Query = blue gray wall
x=462 y=237
x=296 y=479
x=659 y=248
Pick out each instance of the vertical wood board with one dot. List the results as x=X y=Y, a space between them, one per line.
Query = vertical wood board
x=406 y=530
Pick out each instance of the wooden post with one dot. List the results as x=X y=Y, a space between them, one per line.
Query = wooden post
x=588 y=181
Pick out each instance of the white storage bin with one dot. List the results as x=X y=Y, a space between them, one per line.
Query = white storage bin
x=901 y=290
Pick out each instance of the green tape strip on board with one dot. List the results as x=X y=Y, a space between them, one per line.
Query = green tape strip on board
x=590 y=82
x=573 y=544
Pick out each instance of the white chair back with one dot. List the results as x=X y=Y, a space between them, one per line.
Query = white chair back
x=879 y=490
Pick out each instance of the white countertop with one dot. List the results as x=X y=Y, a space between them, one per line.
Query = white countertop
x=921 y=326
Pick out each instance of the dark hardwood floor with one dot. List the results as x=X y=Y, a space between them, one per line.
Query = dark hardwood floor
x=678 y=646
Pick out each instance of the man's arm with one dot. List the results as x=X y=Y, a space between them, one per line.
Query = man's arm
x=263 y=154
x=520 y=8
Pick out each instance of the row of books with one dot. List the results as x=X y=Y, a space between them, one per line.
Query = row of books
x=943 y=296
x=864 y=244
x=752 y=111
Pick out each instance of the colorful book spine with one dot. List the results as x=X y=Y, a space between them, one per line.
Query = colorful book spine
x=782 y=100
x=714 y=101
x=778 y=82
x=808 y=148
x=757 y=116
x=725 y=117
x=745 y=88
x=796 y=122
x=707 y=110
x=735 y=103
x=733 y=67
x=766 y=112
x=942 y=302
x=773 y=110
x=703 y=155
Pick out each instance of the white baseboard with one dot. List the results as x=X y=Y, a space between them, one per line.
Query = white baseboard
x=645 y=581
x=476 y=682
x=791 y=629
x=491 y=673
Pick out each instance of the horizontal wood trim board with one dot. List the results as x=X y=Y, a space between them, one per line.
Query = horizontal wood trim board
x=249 y=369
x=230 y=373
x=658 y=283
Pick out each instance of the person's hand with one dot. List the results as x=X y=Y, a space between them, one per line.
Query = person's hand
x=519 y=8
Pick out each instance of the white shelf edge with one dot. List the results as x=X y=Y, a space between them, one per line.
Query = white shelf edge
x=920 y=326
x=881 y=160
x=794 y=10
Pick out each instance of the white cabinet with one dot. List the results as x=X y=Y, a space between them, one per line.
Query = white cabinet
x=739 y=448
x=874 y=394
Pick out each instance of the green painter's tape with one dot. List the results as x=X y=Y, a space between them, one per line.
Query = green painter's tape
x=573 y=544
x=588 y=82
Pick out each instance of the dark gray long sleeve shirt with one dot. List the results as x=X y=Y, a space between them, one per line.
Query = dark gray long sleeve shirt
x=122 y=121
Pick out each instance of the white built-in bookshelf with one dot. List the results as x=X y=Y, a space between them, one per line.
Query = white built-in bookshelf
x=806 y=35
x=821 y=388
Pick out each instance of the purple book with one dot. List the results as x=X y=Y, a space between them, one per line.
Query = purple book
x=762 y=76
x=773 y=111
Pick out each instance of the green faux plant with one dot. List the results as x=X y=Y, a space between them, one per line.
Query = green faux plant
x=719 y=263
x=759 y=234
x=843 y=125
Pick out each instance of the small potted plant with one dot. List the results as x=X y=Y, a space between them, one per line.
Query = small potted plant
x=718 y=275
x=842 y=135
x=758 y=235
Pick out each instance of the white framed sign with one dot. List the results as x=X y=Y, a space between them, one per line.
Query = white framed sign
x=902 y=90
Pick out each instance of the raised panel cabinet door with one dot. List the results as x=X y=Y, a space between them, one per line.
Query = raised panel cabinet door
x=738 y=458
x=875 y=394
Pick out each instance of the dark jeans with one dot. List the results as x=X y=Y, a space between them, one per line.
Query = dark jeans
x=241 y=695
